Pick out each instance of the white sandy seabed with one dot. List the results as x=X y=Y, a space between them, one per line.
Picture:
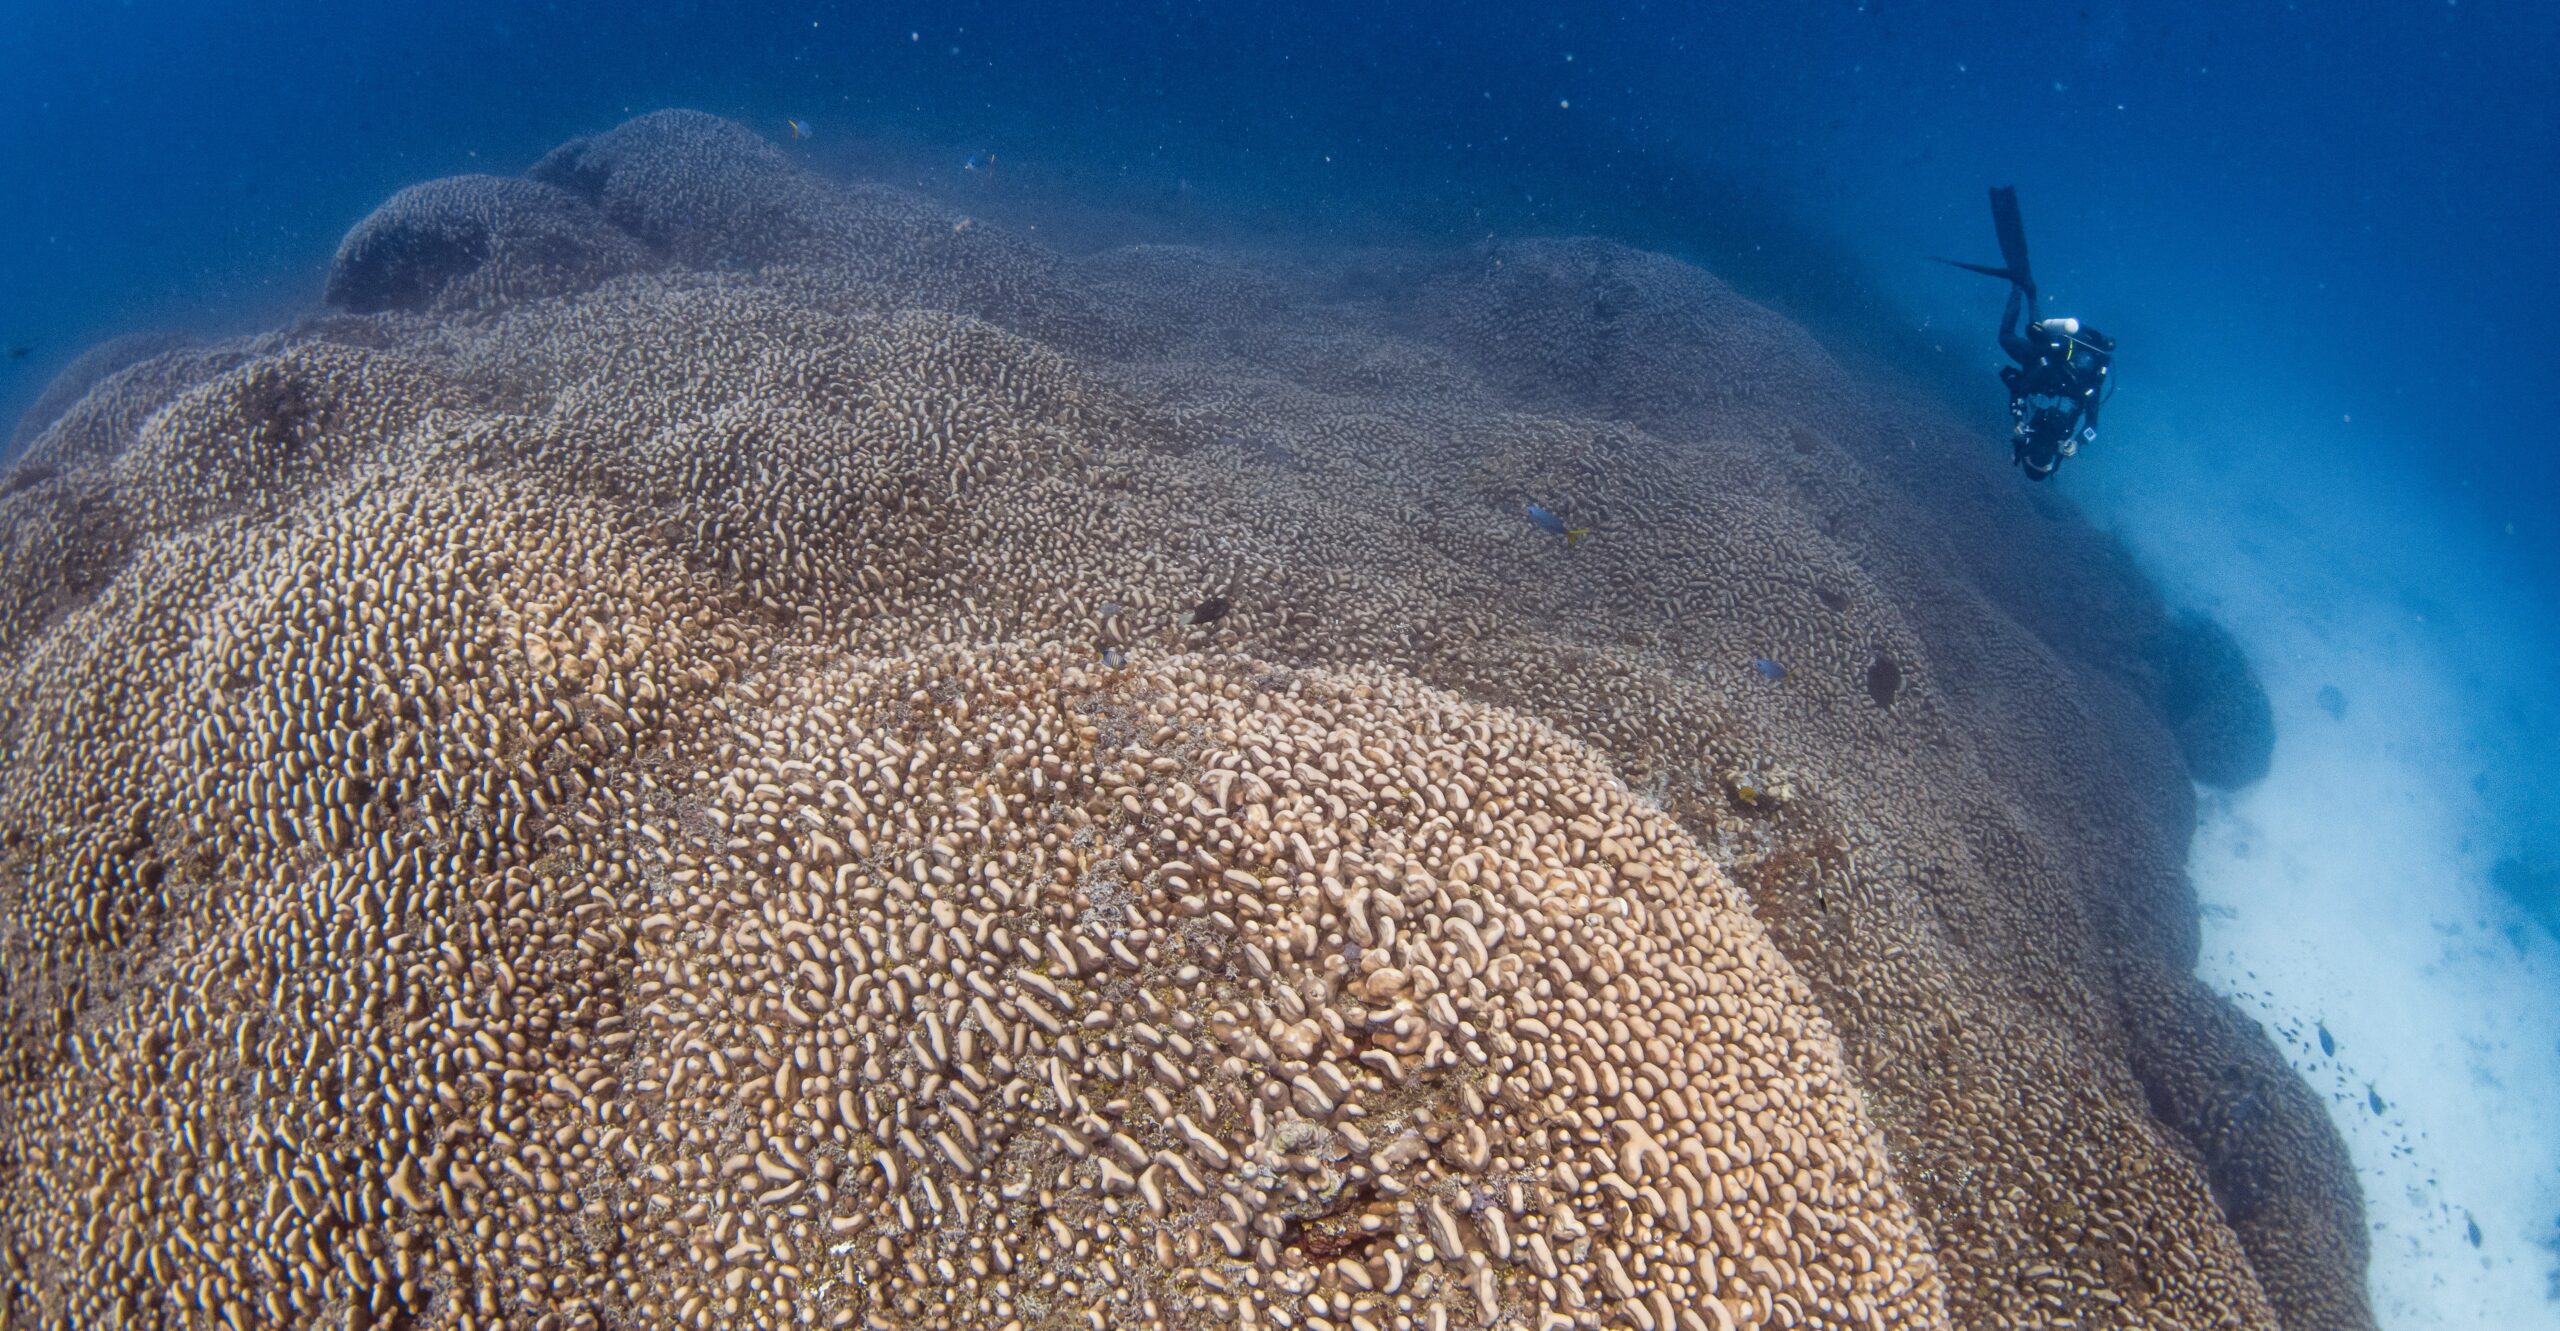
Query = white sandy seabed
x=2351 y=888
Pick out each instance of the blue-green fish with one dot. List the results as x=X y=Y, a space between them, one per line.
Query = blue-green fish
x=1769 y=670
x=1547 y=521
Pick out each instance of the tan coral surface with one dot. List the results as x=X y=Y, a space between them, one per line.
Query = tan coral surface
x=591 y=794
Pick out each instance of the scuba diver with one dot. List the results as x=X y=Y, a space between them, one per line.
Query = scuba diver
x=2060 y=379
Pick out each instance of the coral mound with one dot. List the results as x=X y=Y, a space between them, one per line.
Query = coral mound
x=698 y=188
x=666 y=774
x=2213 y=701
x=471 y=242
x=1156 y=974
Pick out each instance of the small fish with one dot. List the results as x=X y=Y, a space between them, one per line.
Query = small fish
x=1209 y=611
x=979 y=161
x=799 y=130
x=20 y=351
x=2333 y=701
x=1107 y=609
x=1547 y=521
x=2328 y=1043
x=1112 y=657
x=2471 y=1229
x=1769 y=670
x=2372 y=1098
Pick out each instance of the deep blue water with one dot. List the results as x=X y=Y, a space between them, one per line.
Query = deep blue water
x=2322 y=232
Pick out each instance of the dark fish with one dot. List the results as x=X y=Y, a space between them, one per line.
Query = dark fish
x=1113 y=657
x=20 y=351
x=2372 y=1098
x=2471 y=1229
x=1210 y=611
x=2328 y=1043
x=1548 y=522
x=1769 y=670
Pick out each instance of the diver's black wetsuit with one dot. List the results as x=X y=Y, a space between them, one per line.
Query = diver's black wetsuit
x=2060 y=378
x=2056 y=387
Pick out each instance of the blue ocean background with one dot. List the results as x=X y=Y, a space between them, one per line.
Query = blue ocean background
x=2322 y=234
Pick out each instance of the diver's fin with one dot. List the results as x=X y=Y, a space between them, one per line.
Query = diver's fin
x=2013 y=236
x=2013 y=244
x=1983 y=268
